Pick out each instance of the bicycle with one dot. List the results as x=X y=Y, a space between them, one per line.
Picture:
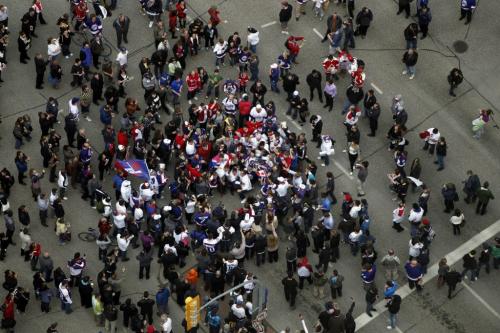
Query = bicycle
x=91 y=235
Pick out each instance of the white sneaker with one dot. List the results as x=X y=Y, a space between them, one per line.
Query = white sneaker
x=88 y=119
x=150 y=24
x=344 y=151
x=323 y=164
x=65 y=198
x=67 y=57
x=243 y=201
x=189 y=102
x=404 y=72
x=350 y=173
x=412 y=76
x=195 y=98
x=284 y=32
x=389 y=327
x=319 y=157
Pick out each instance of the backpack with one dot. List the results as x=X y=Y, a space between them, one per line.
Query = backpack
x=431 y=234
x=99 y=206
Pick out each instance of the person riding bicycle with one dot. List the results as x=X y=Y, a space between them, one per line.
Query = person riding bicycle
x=94 y=24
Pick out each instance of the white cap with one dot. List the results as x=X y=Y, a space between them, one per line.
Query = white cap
x=295 y=93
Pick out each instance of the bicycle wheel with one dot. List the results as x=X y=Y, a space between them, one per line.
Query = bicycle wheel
x=86 y=236
x=107 y=51
x=79 y=38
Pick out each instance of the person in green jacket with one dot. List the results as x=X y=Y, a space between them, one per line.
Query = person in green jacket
x=495 y=253
x=483 y=197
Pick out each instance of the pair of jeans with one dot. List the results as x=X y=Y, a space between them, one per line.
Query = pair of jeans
x=473 y=273
x=346 y=106
x=440 y=160
x=392 y=319
x=66 y=307
x=253 y=48
x=274 y=86
x=410 y=70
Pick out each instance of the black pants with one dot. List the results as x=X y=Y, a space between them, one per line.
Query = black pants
x=329 y=101
x=142 y=269
x=122 y=36
x=324 y=265
x=481 y=207
x=301 y=281
x=260 y=258
x=373 y=126
x=23 y=55
x=406 y=9
x=466 y=13
x=429 y=147
x=456 y=229
x=311 y=95
x=350 y=9
x=290 y=297
x=424 y=28
x=414 y=284
x=451 y=288
x=336 y=291
x=39 y=79
x=148 y=315
x=453 y=86
x=272 y=256
x=449 y=205
x=363 y=29
x=291 y=266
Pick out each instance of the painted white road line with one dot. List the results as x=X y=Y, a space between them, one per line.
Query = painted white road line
x=294 y=123
x=377 y=88
x=344 y=170
x=480 y=299
x=452 y=258
x=268 y=24
x=318 y=33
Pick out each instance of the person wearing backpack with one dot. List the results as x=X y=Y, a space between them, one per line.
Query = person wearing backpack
x=336 y=284
x=393 y=307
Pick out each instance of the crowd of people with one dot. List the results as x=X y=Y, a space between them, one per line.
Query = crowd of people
x=227 y=141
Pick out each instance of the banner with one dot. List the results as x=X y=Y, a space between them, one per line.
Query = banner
x=137 y=168
x=192 y=313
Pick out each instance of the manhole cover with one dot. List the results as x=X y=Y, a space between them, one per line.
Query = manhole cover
x=460 y=46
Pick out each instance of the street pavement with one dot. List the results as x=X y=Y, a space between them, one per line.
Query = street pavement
x=427 y=102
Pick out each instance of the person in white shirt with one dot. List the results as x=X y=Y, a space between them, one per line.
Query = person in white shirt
x=238 y=310
x=53 y=49
x=318 y=9
x=245 y=185
x=122 y=57
x=73 y=107
x=414 y=248
x=210 y=243
x=253 y=39
x=120 y=207
x=431 y=140
x=126 y=190
x=327 y=221
x=258 y=113
x=123 y=242
x=415 y=217
x=356 y=208
x=354 y=240
x=166 y=324
x=456 y=221
x=247 y=223
x=146 y=192
x=282 y=187
x=326 y=149
x=119 y=222
x=65 y=296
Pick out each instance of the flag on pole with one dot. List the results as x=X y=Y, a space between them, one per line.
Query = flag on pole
x=137 y=168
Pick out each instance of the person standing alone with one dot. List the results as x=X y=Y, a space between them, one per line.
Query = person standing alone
x=40 y=67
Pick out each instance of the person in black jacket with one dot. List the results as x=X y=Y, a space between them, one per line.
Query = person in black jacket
x=285 y=15
x=393 y=306
x=333 y=23
x=373 y=113
x=111 y=317
x=314 y=82
x=354 y=95
x=410 y=58
x=129 y=311
x=121 y=25
x=470 y=264
x=363 y=20
x=452 y=278
x=371 y=297
x=97 y=85
x=290 y=286
x=317 y=128
x=146 y=305
x=369 y=101
x=40 y=67
x=28 y=23
x=454 y=79
x=349 y=322
x=23 y=45
x=404 y=5
x=290 y=83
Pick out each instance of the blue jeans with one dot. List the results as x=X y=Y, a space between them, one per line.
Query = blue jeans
x=19 y=143
x=392 y=319
x=411 y=44
x=219 y=61
x=66 y=307
x=440 y=161
x=473 y=273
x=346 y=106
x=253 y=48
x=274 y=86
x=410 y=70
x=326 y=159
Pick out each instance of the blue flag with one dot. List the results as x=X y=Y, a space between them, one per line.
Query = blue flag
x=137 y=168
